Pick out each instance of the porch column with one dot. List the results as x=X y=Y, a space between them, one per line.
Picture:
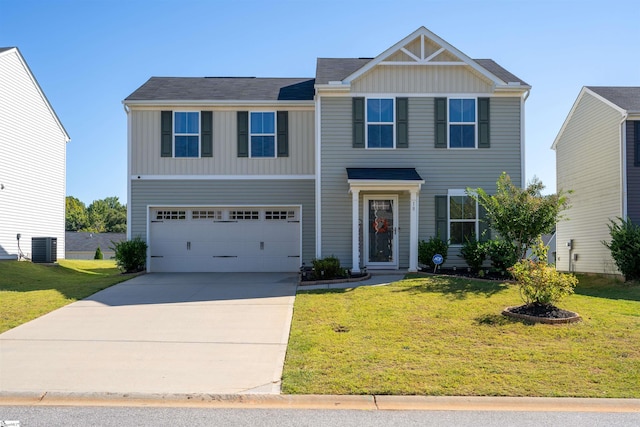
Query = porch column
x=355 y=231
x=413 y=232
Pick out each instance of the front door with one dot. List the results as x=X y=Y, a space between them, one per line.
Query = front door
x=381 y=242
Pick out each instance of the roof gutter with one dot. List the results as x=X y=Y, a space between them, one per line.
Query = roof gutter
x=213 y=103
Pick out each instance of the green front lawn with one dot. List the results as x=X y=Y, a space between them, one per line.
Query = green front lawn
x=445 y=336
x=28 y=291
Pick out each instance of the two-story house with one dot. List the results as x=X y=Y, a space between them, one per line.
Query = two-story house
x=598 y=158
x=360 y=162
x=33 y=147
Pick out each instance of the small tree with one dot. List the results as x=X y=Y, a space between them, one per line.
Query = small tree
x=625 y=247
x=521 y=215
x=98 y=254
x=131 y=255
x=426 y=250
x=539 y=282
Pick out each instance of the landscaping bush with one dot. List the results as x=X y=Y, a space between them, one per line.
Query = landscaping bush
x=474 y=253
x=539 y=282
x=131 y=255
x=426 y=250
x=98 y=254
x=503 y=254
x=625 y=247
x=327 y=268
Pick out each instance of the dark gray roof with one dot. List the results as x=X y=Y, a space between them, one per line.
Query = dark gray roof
x=2 y=49
x=224 y=89
x=336 y=69
x=386 y=174
x=78 y=241
x=625 y=97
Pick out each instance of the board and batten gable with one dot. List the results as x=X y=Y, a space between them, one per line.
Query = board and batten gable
x=146 y=158
x=442 y=169
x=32 y=163
x=588 y=162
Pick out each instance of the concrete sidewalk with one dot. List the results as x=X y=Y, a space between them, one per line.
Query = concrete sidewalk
x=215 y=333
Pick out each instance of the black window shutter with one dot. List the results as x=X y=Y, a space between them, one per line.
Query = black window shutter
x=636 y=130
x=441 y=217
x=358 y=122
x=166 y=134
x=402 y=123
x=283 y=134
x=206 y=134
x=485 y=231
x=243 y=134
x=441 y=122
x=484 y=129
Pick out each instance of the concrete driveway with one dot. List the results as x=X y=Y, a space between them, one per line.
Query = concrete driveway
x=158 y=333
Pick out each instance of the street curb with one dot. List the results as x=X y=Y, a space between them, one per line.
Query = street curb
x=363 y=402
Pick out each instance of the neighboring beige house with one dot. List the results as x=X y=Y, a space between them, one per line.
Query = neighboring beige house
x=598 y=157
x=32 y=161
x=361 y=161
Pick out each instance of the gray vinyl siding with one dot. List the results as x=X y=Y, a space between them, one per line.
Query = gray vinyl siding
x=588 y=162
x=146 y=159
x=226 y=193
x=633 y=175
x=442 y=169
x=32 y=163
x=413 y=79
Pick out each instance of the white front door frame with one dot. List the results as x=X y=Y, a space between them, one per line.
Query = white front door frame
x=393 y=198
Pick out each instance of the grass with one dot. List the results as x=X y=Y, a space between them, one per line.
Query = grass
x=446 y=336
x=28 y=291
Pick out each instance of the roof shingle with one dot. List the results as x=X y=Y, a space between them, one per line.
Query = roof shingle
x=625 y=97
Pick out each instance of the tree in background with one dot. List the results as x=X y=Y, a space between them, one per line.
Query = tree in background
x=521 y=215
x=102 y=216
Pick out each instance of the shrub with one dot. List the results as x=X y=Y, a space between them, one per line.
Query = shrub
x=539 y=282
x=474 y=253
x=426 y=250
x=98 y=254
x=625 y=247
x=503 y=254
x=327 y=268
x=131 y=255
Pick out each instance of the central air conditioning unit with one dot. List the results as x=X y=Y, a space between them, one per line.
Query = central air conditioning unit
x=44 y=249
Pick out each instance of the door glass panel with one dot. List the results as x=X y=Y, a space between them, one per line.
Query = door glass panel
x=380 y=231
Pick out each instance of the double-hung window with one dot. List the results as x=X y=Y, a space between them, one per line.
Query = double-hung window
x=263 y=134
x=462 y=123
x=380 y=123
x=463 y=217
x=186 y=133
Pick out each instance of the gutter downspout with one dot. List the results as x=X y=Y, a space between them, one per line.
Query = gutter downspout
x=523 y=99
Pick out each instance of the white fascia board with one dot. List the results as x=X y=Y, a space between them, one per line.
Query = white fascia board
x=422 y=31
x=213 y=103
x=583 y=91
x=512 y=88
x=218 y=177
x=16 y=51
x=384 y=185
x=343 y=86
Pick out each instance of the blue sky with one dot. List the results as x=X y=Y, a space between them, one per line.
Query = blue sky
x=89 y=55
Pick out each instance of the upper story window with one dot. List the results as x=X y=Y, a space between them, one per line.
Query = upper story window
x=186 y=132
x=263 y=134
x=462 y=123
x=463 y=218
x=380 y=120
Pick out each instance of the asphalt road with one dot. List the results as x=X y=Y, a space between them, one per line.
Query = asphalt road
x=31 y=416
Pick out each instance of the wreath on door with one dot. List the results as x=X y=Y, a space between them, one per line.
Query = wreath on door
x=380 y=225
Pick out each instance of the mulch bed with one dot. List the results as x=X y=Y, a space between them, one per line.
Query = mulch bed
x=542 y=313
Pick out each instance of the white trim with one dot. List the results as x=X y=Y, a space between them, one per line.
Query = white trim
x=424 y=63
x=173 y=135
x=458 y=193
x=383 y=185
x=33 y=79
x=623 y=164
x=365 y=230
x=523 y=164
x=129 y=161
x=366 y=124
x=583 y=91
x=475 y=123
x=219 y=177
x=213 y=103
x=318 y=176
x=275 y=135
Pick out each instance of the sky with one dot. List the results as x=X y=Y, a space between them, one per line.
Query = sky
x=88 y=55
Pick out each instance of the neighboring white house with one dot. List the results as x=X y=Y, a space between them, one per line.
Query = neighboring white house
x=32 y=161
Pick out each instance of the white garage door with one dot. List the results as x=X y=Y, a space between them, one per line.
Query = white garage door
x=230 y=239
